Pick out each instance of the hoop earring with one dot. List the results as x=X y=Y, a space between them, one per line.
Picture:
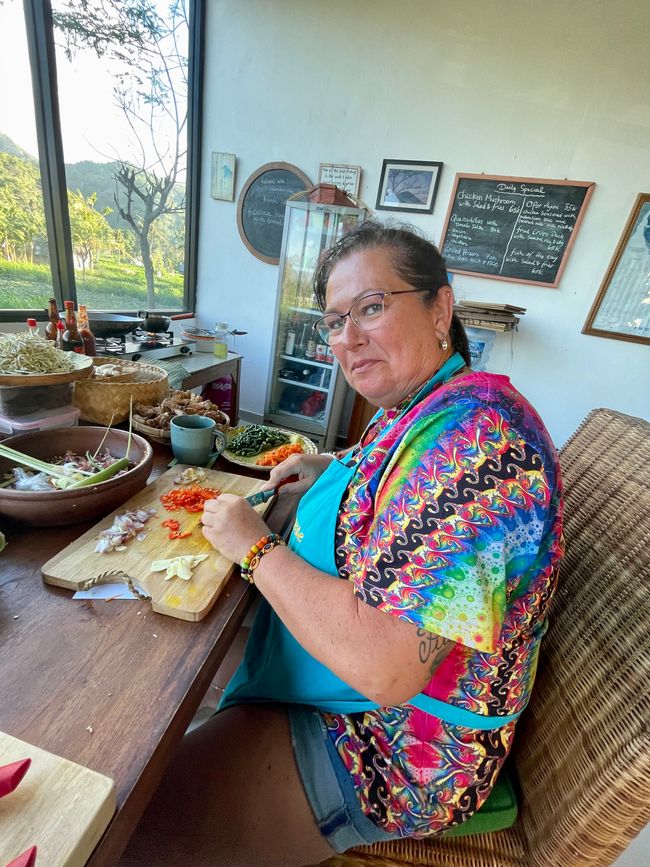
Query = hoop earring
x=444 y=345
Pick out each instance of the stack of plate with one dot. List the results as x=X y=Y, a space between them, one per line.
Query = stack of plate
x=203 y=338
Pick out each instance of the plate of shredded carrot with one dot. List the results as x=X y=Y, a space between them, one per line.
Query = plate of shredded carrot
x=265 y=460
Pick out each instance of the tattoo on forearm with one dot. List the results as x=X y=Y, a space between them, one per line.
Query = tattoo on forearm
x=432 y=648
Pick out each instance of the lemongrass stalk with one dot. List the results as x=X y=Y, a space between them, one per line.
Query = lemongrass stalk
x=128 y=442
x=106 y=434
x=102 y=475
x=30 y=462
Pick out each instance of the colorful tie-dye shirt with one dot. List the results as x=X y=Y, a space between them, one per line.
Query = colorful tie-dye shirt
x=453 y=523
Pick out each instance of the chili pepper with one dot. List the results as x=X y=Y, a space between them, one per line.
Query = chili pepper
x=191 y=499
x=12 y=774
x=27 y=859
x=174 y=527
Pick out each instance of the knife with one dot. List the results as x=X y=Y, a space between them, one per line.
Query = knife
x=265 y=496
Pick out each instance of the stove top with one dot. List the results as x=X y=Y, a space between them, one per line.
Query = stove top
x=145 y=345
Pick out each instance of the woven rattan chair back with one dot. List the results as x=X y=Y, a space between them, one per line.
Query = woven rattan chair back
x=582 y=751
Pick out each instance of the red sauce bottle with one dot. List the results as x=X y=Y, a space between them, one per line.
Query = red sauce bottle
x=71 y=339
x=53 y=319
x=87 y=336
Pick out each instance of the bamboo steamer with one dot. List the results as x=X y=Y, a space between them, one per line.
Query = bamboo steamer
x=100 y=401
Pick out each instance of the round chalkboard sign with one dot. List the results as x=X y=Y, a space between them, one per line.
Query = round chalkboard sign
x=260 y=210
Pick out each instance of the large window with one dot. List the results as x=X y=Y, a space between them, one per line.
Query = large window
x=25 y=276
x=111 y=222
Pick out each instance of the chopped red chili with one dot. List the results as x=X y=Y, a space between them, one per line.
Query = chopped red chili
x=174 y=528
x=191 y=498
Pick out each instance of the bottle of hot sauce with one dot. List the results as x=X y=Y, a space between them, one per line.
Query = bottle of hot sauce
x=53 y=319
x=86 y=334
x=71 y=340
x=60 y=328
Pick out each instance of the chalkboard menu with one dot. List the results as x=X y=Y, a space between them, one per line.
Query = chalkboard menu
x=517 y=229
x=260 y=210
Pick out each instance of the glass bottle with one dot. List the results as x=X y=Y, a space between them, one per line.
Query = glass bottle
x=32 y=327
x=290 y=344
x=53 y=319
x=301 y=349
x=310 y=349
x=60 y=328
x=71 y=339
x=221 y=340
x=85 y=333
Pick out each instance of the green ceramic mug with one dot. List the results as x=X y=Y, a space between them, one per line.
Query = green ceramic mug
x=192 y=439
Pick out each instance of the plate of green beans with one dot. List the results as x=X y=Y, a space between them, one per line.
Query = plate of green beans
x=248 y=443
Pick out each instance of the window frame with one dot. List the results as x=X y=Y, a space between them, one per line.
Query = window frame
x=42 y=59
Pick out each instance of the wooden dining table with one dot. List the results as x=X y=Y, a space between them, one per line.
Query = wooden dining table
x=107 y=684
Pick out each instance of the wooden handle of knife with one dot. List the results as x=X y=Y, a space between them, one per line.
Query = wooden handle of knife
x=288 y=481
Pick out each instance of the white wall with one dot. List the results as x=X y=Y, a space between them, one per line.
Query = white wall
x=550 y=90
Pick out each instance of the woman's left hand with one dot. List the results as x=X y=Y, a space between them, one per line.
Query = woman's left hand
x=232 y=526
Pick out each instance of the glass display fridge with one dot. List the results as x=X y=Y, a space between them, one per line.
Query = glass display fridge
x=306 y=389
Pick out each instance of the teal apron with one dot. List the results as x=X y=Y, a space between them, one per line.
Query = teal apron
x=276 y=668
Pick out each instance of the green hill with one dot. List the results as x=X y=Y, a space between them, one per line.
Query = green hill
x=91 y=177
x=7 y=146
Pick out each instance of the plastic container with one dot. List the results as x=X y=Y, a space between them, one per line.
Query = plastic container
x=481 y=342
x=19 y=400
x=61 y=417
x=221 y=340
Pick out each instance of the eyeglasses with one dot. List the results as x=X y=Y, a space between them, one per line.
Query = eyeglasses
x=366 y=313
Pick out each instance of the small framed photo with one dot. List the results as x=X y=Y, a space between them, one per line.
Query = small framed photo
x=408 y=185
x=222 y=181
x=344 y=177
x=621 y=309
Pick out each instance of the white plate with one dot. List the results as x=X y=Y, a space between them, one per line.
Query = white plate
x=309 y=448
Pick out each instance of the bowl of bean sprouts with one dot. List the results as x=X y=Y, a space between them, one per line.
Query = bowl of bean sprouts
x=27 y=360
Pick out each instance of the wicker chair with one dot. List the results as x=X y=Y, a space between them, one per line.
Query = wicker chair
x=582 y=752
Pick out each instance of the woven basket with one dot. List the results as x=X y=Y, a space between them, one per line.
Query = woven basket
x=100 y=401
x=164 y=434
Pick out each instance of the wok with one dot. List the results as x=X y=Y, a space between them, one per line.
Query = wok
x=112 y=324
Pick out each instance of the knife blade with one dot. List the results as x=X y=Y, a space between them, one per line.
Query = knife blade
x=265 y=496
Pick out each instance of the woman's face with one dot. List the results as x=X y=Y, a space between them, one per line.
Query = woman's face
x=403 y=351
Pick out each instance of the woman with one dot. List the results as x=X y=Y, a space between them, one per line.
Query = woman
x=396 y=642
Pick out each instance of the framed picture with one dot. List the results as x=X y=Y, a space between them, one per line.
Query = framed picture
x=222 y=181
x=621 y=309
x=408 y=185
x=342 y=176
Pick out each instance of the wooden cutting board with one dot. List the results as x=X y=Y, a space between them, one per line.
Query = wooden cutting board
x=59 y=806
x=188 y=600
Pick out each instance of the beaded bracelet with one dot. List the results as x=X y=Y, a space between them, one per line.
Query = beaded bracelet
x=252 y=559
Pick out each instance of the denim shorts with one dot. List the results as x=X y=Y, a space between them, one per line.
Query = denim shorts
x=329 y=788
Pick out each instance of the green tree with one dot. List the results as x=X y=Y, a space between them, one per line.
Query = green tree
x=91 y=234
x=151 y=90
x=22 y=218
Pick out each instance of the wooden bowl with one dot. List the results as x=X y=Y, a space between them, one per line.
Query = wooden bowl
x=56 y=508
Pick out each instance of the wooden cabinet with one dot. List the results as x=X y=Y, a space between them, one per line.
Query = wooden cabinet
x=362 y=412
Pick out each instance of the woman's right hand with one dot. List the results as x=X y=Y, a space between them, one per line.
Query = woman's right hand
x=307 y=467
